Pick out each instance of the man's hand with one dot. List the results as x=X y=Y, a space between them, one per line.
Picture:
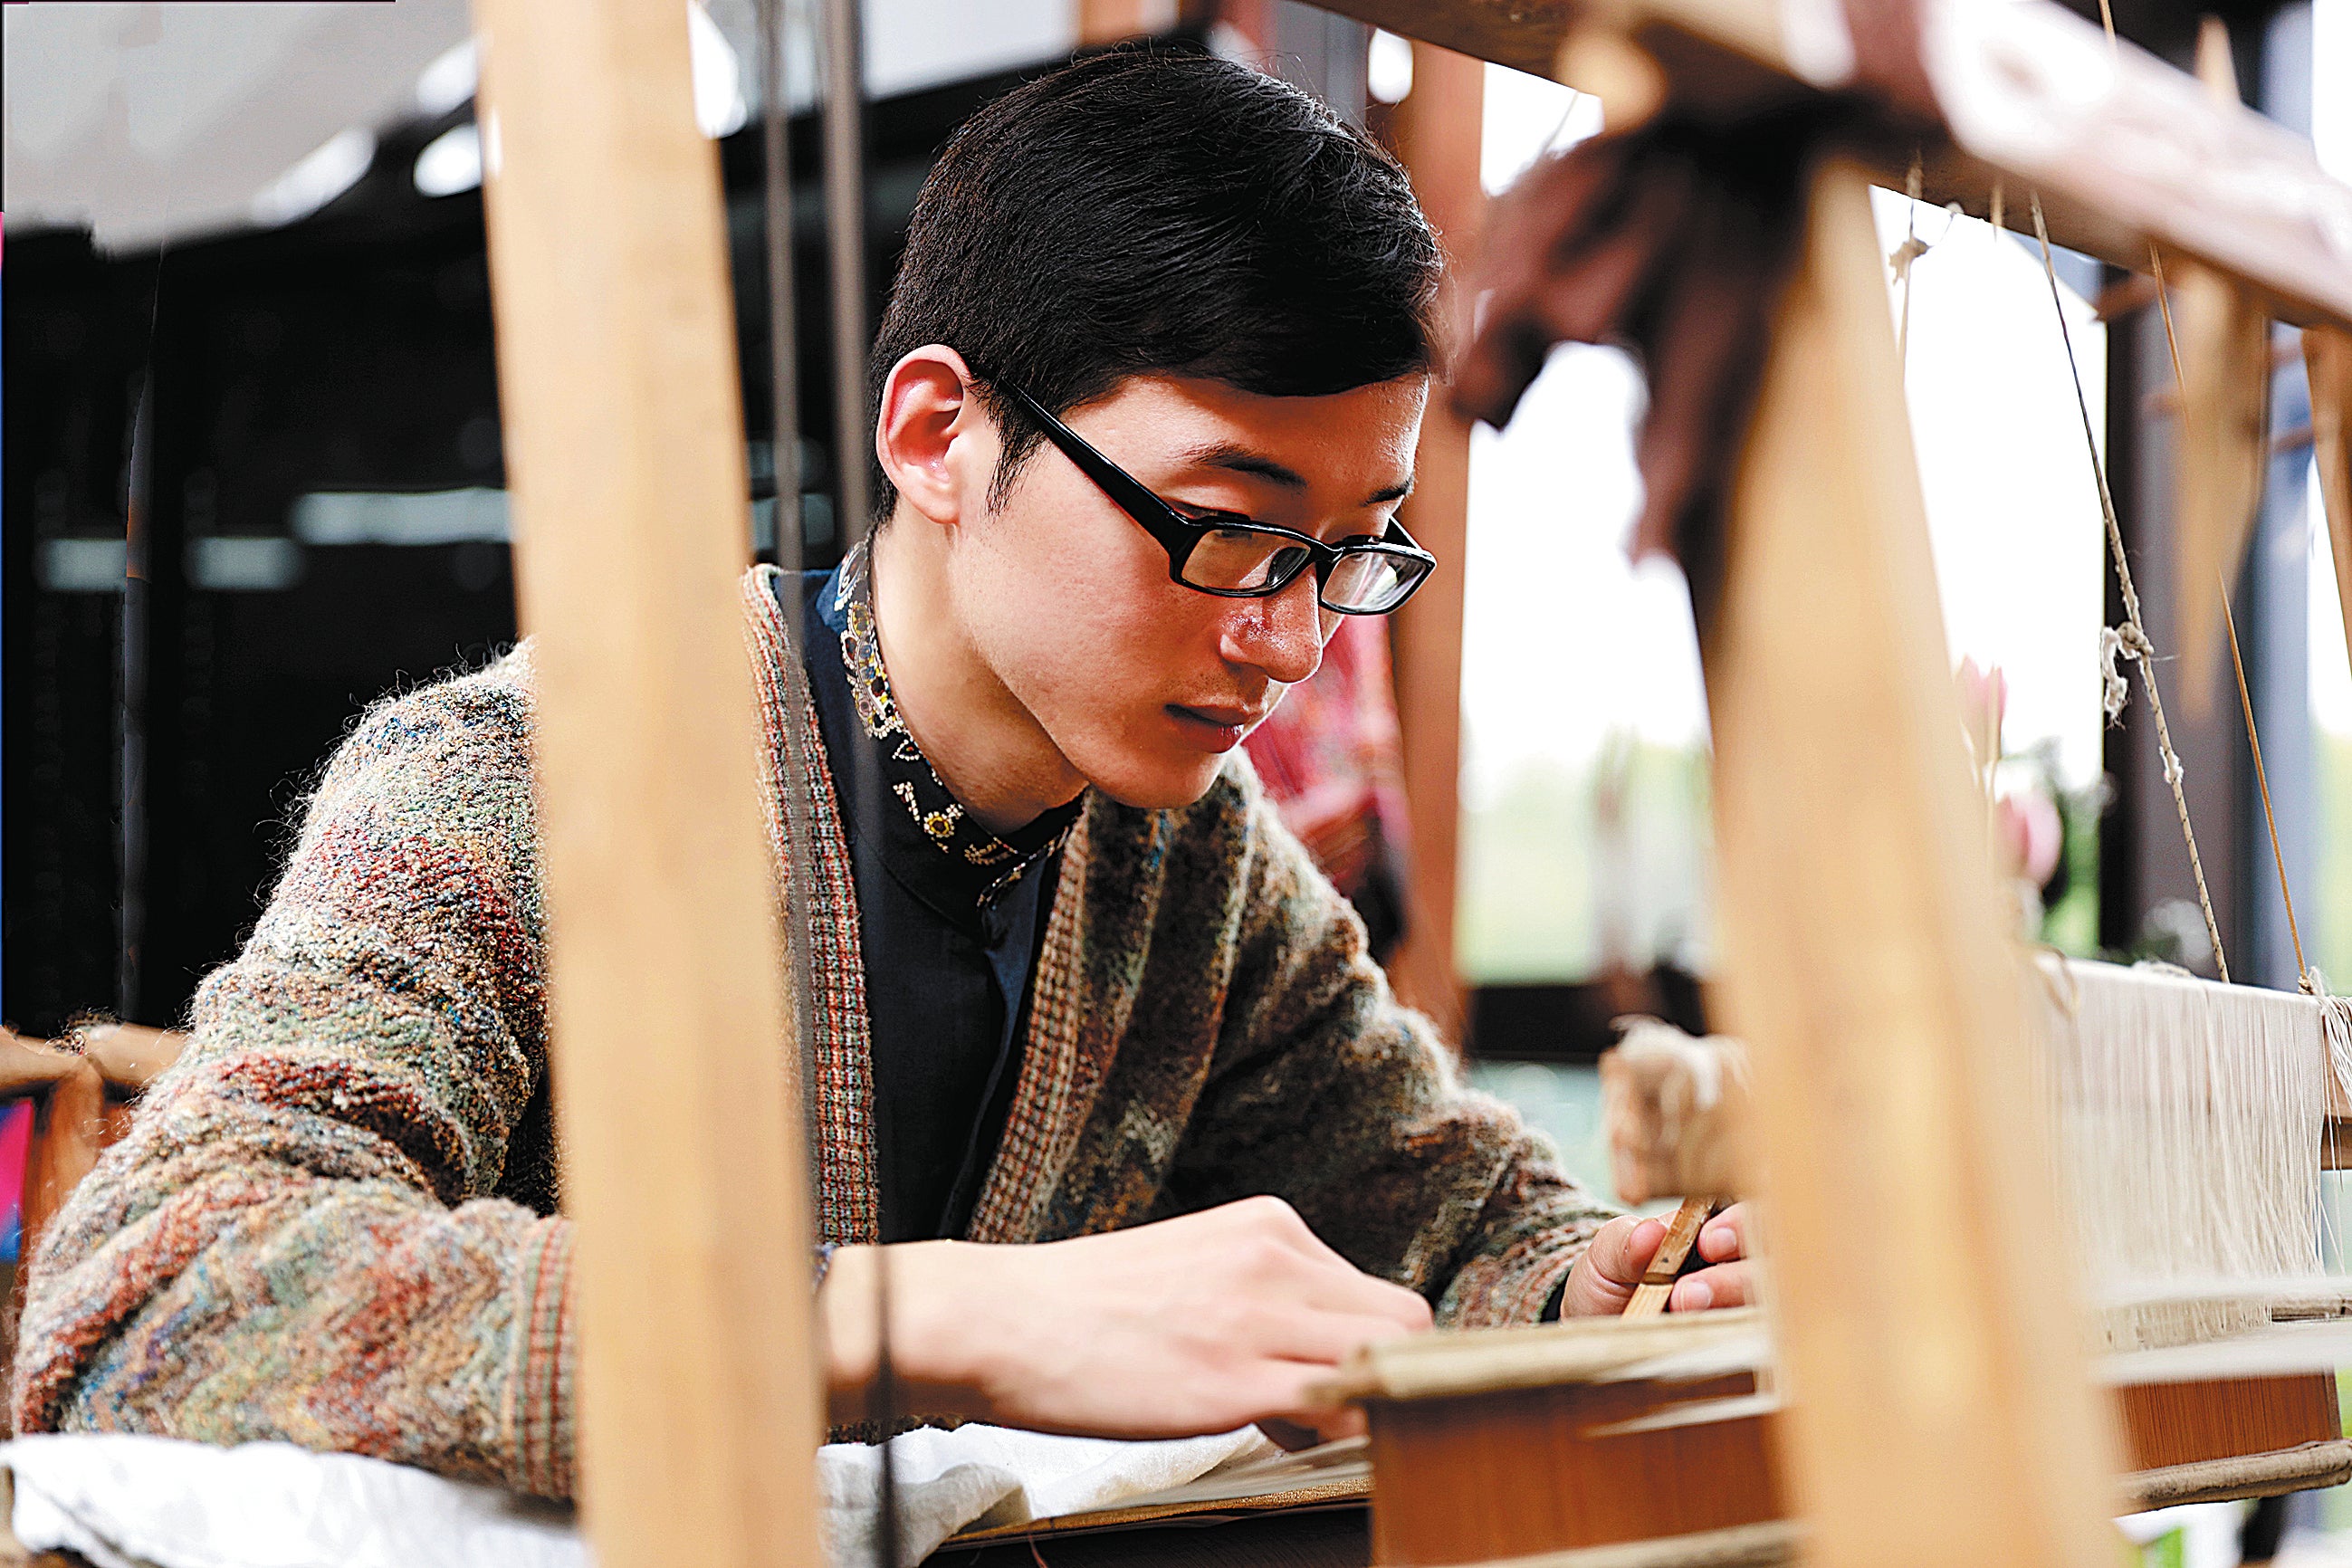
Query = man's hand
x=1198 y=1325
x=1603 y=1280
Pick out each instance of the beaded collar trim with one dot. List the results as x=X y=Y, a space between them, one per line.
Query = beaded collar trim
x=909 y=774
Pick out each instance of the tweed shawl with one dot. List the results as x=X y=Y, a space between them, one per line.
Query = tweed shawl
x=336 y=1220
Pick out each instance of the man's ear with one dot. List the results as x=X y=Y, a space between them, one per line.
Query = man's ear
x=925 y=430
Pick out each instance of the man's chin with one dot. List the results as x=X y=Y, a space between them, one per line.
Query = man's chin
x=1160 y=786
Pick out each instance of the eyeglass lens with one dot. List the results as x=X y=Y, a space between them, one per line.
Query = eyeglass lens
x=1232 y=560
x=1239 y=559
x=1366 y=581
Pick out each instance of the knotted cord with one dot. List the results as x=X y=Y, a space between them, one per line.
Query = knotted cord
x=1912 y=249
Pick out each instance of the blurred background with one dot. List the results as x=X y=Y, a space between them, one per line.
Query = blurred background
x=246 y=302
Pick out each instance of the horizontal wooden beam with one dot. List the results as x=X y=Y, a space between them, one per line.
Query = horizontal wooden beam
x=2123 y=149
x=2133 y=151
x=1525 y=34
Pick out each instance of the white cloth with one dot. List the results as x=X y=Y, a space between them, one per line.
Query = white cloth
x=128 y=1501
x=994 y=1475
x=116 y=1497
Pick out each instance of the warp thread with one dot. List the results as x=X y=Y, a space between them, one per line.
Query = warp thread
x=2335 y=1022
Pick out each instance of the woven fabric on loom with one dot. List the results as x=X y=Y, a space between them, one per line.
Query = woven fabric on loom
x=332 y=1222
x=2189 y=1128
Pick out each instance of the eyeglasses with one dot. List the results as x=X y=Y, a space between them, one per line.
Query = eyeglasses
x=1239 y=559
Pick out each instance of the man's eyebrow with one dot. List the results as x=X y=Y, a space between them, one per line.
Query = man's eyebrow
x=1236 y=458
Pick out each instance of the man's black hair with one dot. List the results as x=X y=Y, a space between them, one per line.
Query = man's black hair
x=1150 y=210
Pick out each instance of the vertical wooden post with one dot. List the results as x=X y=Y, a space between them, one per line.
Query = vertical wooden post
x=1436 y=132
x=1927 y=1308
x=698 y=1414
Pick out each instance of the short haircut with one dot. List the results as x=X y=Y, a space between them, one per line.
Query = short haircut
x=1150 y=209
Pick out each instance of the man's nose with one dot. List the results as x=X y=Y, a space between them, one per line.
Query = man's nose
x=1282 y=633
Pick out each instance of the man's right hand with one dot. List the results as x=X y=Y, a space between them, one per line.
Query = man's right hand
x=1198 y=1325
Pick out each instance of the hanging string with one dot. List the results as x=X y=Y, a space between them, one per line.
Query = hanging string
x=1575 y=99
x=2132 y=639
x=2171 y=338
x=2339 y=1011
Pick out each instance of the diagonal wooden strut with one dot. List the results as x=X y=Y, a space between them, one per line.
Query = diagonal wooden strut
x=698 y=1398
x=1865 y=962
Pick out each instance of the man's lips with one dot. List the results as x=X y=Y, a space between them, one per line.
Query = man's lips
x=1220 y=728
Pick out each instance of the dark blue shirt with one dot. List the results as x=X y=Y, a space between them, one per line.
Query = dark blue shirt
x=951 y=917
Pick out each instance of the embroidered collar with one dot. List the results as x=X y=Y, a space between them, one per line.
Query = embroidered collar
x=907 y=773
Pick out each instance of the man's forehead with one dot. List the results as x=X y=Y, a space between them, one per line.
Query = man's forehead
x=1287 y=442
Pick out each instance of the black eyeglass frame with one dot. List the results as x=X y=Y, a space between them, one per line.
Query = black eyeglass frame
x=1181 y=535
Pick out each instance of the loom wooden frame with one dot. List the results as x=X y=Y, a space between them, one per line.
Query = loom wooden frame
x=1862 y=951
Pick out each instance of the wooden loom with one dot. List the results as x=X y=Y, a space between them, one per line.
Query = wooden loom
x=1946 y=1381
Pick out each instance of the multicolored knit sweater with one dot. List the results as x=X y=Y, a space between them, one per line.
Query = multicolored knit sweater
x=335 y=1221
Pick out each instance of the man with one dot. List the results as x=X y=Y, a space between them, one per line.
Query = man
x=1097 y=1055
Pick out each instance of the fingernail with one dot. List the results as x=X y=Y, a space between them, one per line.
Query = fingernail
x=1698 y=1296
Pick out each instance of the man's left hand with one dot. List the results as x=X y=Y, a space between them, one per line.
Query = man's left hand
x=1603 y=1280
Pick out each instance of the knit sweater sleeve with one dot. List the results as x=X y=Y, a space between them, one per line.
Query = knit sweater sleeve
x=297 y=1240
x=1329 y=1093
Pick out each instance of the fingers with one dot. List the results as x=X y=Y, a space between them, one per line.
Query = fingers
x=1312 y=1428
x=1288 y=1435
x=1344 y=1289
x=1603 y=1278
x=1282 y=1394
x=1281 y=1254
x=1724 y=1236
x=1199 y=1323
x=1731 y=1282
x=1725 y=1285
x=1327 y=1338
x=1623 y=1248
